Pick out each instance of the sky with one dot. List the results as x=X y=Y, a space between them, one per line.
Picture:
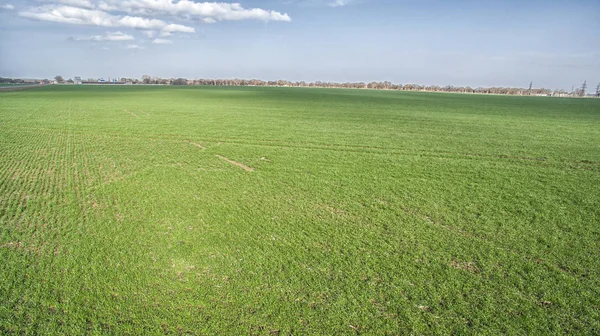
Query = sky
x=555 y=44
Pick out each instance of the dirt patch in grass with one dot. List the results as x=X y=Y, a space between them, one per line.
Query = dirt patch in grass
x=335 y=211
x=133 y=114
x=465 y=266
x=195 y=144
x=424 y=308
x=235 y=163
x=12 y=245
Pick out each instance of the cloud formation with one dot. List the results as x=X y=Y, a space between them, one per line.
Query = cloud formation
x=321 y=3
x=150 y=16
x=92 y=17
x=116 y=36
x=339 y=3
x=207 y=12
x=161 y=41
x=7 y=6
x=75 y=3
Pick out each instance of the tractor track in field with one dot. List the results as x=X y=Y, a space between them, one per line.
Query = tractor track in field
x=195 y=144
x=581 y=164
x=133 y=114
x=235 y=163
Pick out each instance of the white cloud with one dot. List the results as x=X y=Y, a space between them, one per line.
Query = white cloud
x=339 y=3
x=145 y=15
x=206 y=11
x=75 y=3
x=81 y=16
x=161 y=41
x=116 y=36
x=106 y=7
x=172 y=28
x=7 y=6
x=321 y=3
x=133 y=46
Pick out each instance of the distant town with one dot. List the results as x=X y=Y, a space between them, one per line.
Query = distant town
x=576 y=91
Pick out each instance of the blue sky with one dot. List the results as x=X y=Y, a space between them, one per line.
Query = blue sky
x=555 y=44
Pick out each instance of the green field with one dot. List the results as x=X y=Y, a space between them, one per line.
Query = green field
x=122 y=211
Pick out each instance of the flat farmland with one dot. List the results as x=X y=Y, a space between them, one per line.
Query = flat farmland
x=278 y=211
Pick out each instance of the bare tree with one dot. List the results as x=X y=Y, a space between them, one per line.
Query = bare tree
x=59 y=79
x=530 y=87
x=179 y=81
x=598 y=90
x=583 y=87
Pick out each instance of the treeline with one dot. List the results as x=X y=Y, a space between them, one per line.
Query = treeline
x=16 y=81
x=362 y=85
x=319 y=84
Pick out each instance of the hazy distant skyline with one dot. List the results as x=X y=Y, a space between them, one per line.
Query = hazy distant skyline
x=555 y=44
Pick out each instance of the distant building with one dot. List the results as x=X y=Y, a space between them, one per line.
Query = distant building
x=78 y=80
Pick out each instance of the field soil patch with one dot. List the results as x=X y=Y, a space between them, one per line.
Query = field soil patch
x=235 y=163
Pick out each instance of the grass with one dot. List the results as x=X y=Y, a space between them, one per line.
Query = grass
x=122 y=212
